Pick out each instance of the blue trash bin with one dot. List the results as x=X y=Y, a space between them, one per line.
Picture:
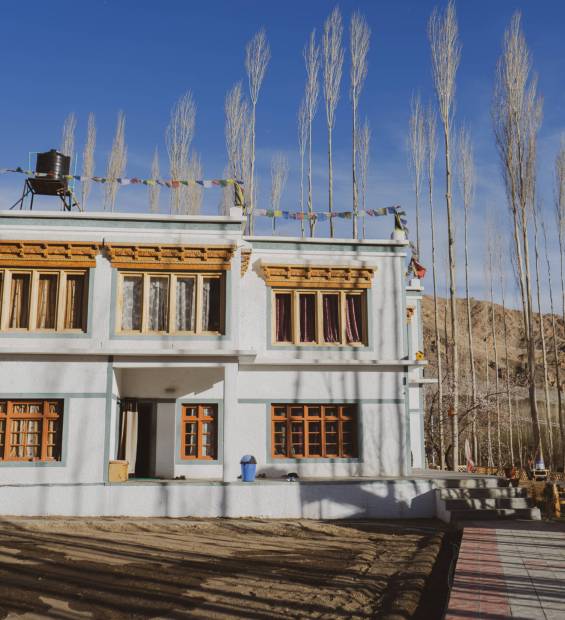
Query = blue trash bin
x=248 y=468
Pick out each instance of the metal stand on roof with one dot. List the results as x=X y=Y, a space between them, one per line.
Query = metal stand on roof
x=65 y=194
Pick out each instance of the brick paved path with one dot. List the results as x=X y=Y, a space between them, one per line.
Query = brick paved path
x=510 y=570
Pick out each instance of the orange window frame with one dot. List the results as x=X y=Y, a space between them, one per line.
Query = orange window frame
x=50 y=420
x=196 y=414
x=294 y=426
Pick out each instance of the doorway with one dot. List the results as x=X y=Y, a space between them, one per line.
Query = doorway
x=138 y=424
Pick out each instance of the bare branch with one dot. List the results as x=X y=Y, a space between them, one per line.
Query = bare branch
x=417 y=143
x=312 y=62
x=68 y=137
x=116 y=163
x=363 y=157
x=88 y=160
x=154 y=190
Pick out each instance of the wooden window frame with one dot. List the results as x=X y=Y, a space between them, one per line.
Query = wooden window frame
x=344 y=413
x=173 y=276
x=199 y=420
x=8 y=416
x=319 y=339
x=34 y=275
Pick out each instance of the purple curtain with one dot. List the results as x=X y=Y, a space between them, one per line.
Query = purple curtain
x=307 y=318
x=283 y=318
x=331 y=318
x=354 y=321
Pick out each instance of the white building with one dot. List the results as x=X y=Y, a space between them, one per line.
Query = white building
x=180 y=345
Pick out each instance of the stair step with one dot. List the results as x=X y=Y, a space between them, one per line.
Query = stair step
x=498 y=513
x=488 y=503
x=495 y=492
x=470 y=483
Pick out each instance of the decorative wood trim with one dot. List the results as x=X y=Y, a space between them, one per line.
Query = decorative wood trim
x=317 y=276
x=56 y=254
x=170 y=257
x=245 y=259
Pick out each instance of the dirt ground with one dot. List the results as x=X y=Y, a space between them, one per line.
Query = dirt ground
x=190 y=568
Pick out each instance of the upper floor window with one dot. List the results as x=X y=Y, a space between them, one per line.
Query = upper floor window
x=30 y=430
x=43 y=300
x=319 y=317
x=171 y=303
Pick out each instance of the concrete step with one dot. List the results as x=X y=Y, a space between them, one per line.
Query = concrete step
x=498 y=513
x=475 y=482
x=459 y=493
x=488 y=503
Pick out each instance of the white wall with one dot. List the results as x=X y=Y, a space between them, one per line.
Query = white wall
x=165 y=441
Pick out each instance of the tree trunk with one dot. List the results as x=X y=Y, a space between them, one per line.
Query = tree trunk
x=354 y=169
x=310 y=205
x=330 y=181
x=252 y=175
x=495 y=347
x=508 y=399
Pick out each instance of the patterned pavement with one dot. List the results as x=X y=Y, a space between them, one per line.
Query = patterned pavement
x=512 y=569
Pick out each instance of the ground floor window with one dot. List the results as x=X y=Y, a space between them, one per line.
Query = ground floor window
x=30 y=430
x=199 y=433
x=314 y=431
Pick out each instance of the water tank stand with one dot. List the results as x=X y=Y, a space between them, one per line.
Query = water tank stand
x=66 y=196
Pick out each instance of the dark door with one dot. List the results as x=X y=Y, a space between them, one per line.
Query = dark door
x=145 y=438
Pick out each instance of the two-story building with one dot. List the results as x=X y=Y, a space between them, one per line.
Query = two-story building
x=179 y=345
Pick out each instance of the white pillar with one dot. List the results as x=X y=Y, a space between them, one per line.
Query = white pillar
x=231 y=447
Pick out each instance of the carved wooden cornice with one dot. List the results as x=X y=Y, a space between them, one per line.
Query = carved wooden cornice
x=169 y=257
x=314 y=276
x=245 y=258
x=56 y=254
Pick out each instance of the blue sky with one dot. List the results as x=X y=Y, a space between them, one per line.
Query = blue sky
x=62 y=57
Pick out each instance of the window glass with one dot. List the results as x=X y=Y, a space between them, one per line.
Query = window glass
x=211 y=305
x=19 y=301
x=47 y=301
x=158 y=304
x=185 y=310
x=307 y=317
x=199 y=438
x=132 y=295
x=330 y=309
x=353 y=318
x=283 y=317
x=74 y=300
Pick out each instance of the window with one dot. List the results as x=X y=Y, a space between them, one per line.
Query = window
x=171 y=303
x=314 y=431
x=43 y=300
x=199 y=432
x=30 y=430
x=320 y=317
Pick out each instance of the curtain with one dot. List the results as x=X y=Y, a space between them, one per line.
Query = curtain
x=211 y=305
x=354 y=320
x=307 y=318
x=74 y=301
x=283 y=312
x=132 y=292
x=19 y=301
x=185 y=304
x=330 y=308
x=47 y=302
x=128 y=434
x=158 y=304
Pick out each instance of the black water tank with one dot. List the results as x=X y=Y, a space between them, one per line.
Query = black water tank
x=53 y=163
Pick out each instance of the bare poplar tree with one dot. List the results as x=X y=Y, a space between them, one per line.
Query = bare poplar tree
x=466 y=178
x=431 y=152
x=154 y=190
x=446 y=52
x=312 y=62
x=360 y=36
x=88 y=160
x=68 y=136
x=236 y=133
x=542 y=337
x=333 y=67
x=302 y=142
x=178 y=138
x=516 y=117
x=192 y=199
x=491 y=251
x=279 y=177
x=554 y=339
x=560 y=212
x=257 y=56
x=116 y=163
x=417 y=144
x=363 y=153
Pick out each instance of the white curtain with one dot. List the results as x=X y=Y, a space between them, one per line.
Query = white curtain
x=132 y=291
x=128 y=438
x=158 y=304
x=185 y=304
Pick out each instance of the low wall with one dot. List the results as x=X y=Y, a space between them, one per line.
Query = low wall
x=270 y=499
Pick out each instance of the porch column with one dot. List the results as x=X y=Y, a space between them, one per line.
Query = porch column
x=231 y=446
